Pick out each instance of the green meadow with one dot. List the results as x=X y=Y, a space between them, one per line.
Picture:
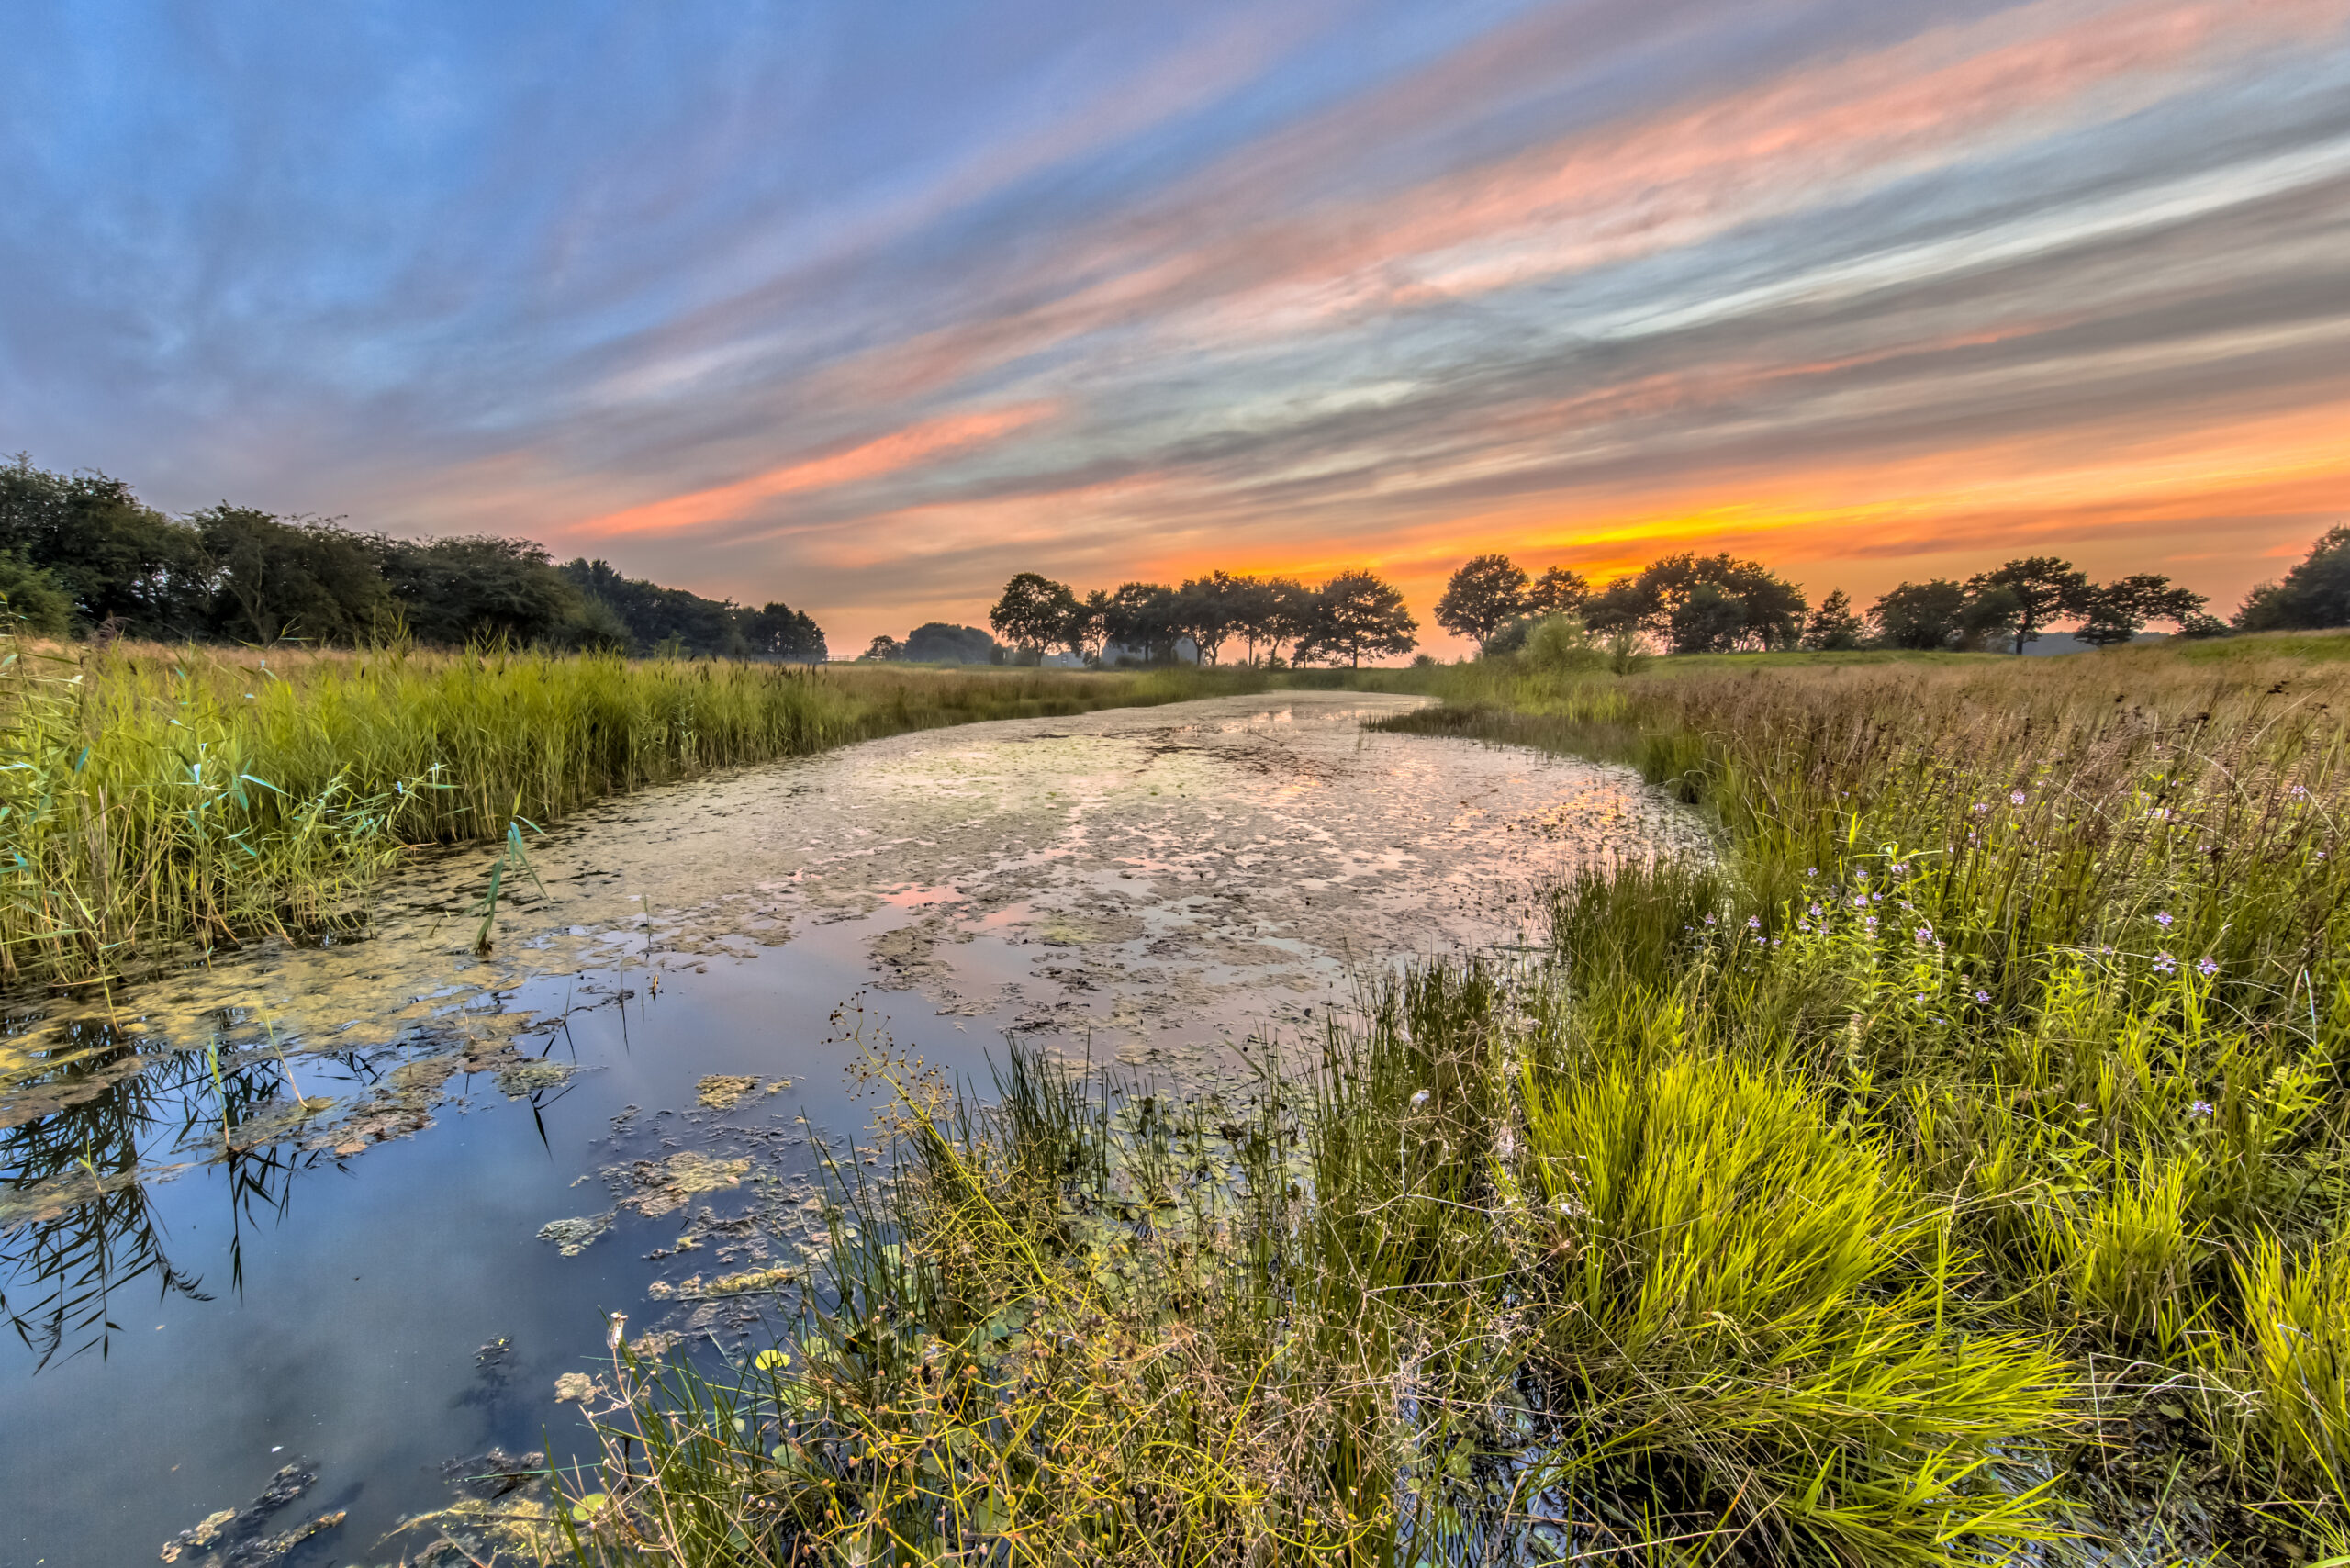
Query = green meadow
x=1947 y=1167
x=1948 y=1170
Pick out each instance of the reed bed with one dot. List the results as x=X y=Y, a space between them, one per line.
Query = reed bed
x=155 y=799
x=1949 y=1170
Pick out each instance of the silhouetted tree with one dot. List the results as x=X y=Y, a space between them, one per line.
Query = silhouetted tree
x=1033 y=612
x=1486 y=592
x=1085 y=623
x=1769 y=608
x=1921 y=615
x=779 y=632
x=2314 y=595
x=937 y=643
x=1557 y=591
x=2046 y=589
x=884 y=648
x=1708 y=621
x=1208 y=611
x=1944 y=614
x=2156 y=597
x=1270 y=612
x=1833 y=626
x=1144 y=615
x=2119 y=611
x=1356 y=613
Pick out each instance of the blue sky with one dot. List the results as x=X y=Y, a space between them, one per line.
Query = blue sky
x=866 y=308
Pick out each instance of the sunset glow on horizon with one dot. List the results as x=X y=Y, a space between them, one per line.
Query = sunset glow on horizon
x=867 y=309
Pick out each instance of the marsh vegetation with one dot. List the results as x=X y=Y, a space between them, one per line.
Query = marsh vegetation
x=1950 y=1169
x=156 y=798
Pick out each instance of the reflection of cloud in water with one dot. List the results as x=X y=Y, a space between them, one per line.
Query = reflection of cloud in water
x=1143 y=865
x=1142 y=881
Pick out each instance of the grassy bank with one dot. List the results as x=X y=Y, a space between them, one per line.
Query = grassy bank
x=1956 y=1166
x=156 y=797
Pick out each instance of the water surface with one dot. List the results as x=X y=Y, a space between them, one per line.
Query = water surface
x=360 y=1205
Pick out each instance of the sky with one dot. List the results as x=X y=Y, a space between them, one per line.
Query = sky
x=866 y=308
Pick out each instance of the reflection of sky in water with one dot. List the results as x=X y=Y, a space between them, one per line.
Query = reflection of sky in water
x=1145 y=884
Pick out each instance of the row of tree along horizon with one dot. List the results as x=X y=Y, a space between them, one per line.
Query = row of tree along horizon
x=80 y=554
x=83 y=554
x=1687 y=603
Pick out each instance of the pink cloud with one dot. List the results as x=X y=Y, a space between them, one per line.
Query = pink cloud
x=890 y=454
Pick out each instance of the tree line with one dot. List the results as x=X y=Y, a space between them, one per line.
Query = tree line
x=1695 y=604
x=82 y=555
x=1353 y=616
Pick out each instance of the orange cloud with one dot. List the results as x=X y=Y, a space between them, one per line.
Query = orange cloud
x=889 y=454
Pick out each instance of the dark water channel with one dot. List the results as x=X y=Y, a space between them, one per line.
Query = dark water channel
x=357 y=1208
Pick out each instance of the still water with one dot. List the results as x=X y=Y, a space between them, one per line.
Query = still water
x=355 y=1208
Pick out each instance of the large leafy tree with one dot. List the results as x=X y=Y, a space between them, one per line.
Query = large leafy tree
x=2046 y=589
x=779 y=632
x=1271 y=614
x=1557 y=591
x=1486 y=594
x=455 y=591
x=1769 y=609
x=1033 y=611
x=1940 y=614
x=1085 y=624
x=937 y=643
x=1834 y=625
x=2119 y=611
x=1145 y=616
x=1921 y=615
x=31 y=600
x=1988 y=619
x=118 y=560
x=2314 y=595
x=277 y=578
x=1708 y=621
x=1209 y=610
x=1358 y=613
x=658 y=617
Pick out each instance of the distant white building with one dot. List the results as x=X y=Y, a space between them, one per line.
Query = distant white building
x=1186 y=653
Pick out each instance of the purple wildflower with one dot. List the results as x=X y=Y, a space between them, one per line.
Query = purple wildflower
x=2015 y=797
x=2200 y=1109
x=2207 y=967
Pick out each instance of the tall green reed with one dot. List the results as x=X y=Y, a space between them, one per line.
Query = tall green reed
x=157 y=796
